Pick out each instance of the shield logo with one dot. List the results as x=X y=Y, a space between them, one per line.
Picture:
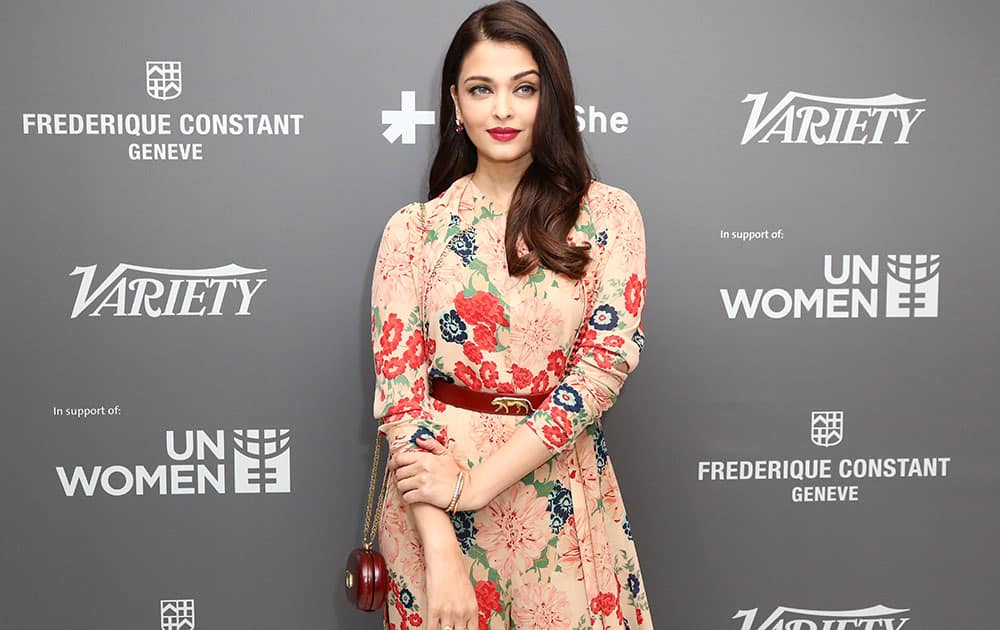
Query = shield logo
x=176 y=614
x=163 y=79
x=827 y=428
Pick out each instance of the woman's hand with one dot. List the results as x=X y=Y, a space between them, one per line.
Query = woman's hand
x=430 y=476
x=451 y=599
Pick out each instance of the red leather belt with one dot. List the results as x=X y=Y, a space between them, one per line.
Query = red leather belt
x=486 y=402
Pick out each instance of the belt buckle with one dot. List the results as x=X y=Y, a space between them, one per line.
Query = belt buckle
x=506 y=402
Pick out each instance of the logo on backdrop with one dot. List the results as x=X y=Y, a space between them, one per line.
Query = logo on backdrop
x=878 y=616
x=826 y=429
x=176 y=614
x=137 y=291
x=909 y=287
x=261 y=464
x=163 y=83
x=402 y=123
x=800 y=118
x=163 y=79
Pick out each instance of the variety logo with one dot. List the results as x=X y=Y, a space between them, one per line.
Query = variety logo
x=163 y=79
x=261 y=464
x=176 y=614
x=909 y=287
x=783 y=618
x=800 y=118
x=134 y=290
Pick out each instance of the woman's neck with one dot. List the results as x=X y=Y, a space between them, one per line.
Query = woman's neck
x=498 y=180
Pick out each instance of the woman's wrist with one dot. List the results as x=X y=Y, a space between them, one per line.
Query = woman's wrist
x=471 y=498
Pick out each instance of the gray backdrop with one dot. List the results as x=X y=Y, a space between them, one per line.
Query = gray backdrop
x=275 y=373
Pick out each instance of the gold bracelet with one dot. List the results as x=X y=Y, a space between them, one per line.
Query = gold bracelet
x=458 y=490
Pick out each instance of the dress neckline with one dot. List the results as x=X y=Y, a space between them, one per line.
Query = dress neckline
x=486 y=199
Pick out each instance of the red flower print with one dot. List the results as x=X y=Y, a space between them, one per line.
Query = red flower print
x=438 y=405
x=555 y=435
x=557 y=362
x=404 y=404
x=614 y=341
x=415 y=619
x=481 y=308
x=417 y=389
x=522 y=377
x=393 y=367
x=468 y=376
x=505 y=388
x=472 y=351
x=489 y=374
x=488 y=597
x=638 y=616
x=392 y=333
x=379 y=362
x=561 y=419
x=414 y=354
x=540 y=383
x=601 y=357
x=633 y=294
x=486 y=338
x=431 y=346
x=604 y=603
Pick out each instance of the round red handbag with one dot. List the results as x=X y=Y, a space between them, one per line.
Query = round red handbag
x=366 y=580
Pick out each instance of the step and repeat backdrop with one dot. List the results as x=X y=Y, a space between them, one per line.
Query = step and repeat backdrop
x=193 y=195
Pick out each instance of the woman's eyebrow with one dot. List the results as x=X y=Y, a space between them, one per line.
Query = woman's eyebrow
x=513 y=78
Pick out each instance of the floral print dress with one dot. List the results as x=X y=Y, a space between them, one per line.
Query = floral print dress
x=554 y=550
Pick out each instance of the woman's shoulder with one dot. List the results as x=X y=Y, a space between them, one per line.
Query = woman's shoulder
x=609 y=203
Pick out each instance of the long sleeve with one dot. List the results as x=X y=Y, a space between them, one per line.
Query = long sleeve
x=402 y=402
x=610 y=340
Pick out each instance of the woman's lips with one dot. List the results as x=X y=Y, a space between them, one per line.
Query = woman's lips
x=503 y=136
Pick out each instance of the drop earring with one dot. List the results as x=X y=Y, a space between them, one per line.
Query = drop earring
x=458 y=126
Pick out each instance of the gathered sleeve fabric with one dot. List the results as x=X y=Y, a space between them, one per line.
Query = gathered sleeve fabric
x=607 y=347
x=402 y=403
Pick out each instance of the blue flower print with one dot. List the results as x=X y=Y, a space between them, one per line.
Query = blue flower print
x=602 y=238
x=567 y=398
x=639 y=339
x=600 y=449
x=436 y=373
x=626 y=527
x=464 y=244
x=421 y=432
x=633 y=584
x=453 y=329
x=406 y=597
x=453 y=220
x=605 y=317
x=560 y=506
x=464 y=525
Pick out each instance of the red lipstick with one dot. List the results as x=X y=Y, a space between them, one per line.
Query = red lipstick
x=503 y=134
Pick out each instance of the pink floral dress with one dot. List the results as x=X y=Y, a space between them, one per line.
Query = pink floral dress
x=554 y=550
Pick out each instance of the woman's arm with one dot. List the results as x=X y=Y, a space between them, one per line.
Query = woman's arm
x=401 y=401
x=605 y=353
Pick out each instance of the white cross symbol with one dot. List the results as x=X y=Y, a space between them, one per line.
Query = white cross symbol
x=403 y=121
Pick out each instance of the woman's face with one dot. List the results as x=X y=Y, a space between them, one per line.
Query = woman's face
x=497 y=88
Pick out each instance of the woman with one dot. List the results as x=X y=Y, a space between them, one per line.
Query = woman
x=506 y=316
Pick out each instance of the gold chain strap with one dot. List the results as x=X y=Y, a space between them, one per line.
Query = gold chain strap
x=369 y=535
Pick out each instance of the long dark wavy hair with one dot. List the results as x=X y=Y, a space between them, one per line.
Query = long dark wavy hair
x=546 y=202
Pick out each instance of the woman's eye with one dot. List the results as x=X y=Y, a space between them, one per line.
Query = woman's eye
x=473 y=89
x=531 y=89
